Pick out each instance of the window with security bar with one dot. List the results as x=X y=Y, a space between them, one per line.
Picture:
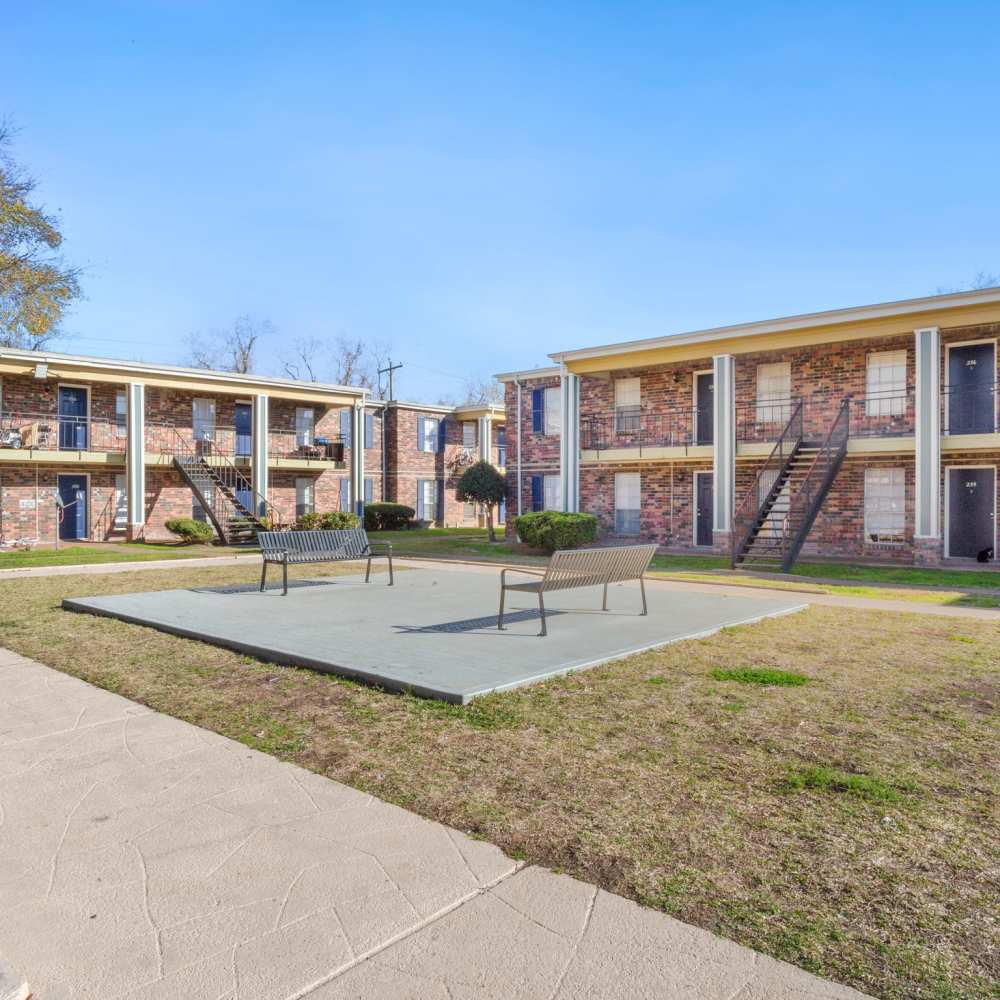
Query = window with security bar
x=627 y=503
x=885 y=506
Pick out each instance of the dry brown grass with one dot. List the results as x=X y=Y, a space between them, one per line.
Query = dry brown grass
x=652 y=779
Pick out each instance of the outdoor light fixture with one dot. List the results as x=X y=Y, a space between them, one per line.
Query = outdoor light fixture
x=41 y=371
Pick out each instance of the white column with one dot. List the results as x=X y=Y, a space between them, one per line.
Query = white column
x=569 y=441
x=928 y=433
x=724 y=455
x=258 y=458
x=135 y=458
x=486 y=439
x=357 y=486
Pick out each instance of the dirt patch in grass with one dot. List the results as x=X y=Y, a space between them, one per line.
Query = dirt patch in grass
x=649 y=776
x=765 y=678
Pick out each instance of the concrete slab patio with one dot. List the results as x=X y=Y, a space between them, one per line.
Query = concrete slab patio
x=434 y=632
x=142 y=858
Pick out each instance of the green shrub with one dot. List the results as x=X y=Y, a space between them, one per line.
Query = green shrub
x=387 y=516
x=190 y=530
x=331 y=521
x=551 y=529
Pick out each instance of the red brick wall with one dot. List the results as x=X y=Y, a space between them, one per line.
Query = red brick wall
x=539 y=453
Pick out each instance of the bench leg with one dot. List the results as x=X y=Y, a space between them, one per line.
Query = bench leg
x=263 y=576
x=541 y=611
x=284 y=577
x=391 y=579
x=604 y=606
x=503 y=594
x=368 y=571
x=642 y=588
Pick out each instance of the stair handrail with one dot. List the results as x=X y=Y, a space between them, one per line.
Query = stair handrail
x=812 y=490
x=236 y=480
x=747 y=512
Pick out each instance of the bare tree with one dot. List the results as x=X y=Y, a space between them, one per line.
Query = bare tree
x=303 y=359
x=983 y=279
x=36 y=285
x=482 y=392
x=230 y=350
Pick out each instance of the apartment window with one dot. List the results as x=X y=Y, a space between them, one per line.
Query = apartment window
x=305 y=426
x=468 y=434
x=197 y=511
x=774 y=393
x=344 y=488
x=627 y=503
x=885 y=384
x=885 y=505
x=501 y=446
x=429 y=493
x=121 y=414
x=305 y=496
x=369 y=430
x=203 y=419
x=627 y=405
x=369 y=490
x=428 y=433
x=546 y=410
x=546 y=493
x=469 y=512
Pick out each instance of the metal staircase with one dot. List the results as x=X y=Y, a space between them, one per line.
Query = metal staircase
x=777 y=514
x=219 y=485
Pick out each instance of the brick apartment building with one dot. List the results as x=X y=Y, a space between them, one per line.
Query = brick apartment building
x=856 y=433
x=125 y=446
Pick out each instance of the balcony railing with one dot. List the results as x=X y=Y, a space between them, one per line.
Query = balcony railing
x=628 y=429
x=36 y=431
x=969 y=410
x=875 y=414
x=235 y=443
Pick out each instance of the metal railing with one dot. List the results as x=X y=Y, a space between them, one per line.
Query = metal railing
x=289 y=443
x=969 y=410
x=33 y=430
x=804 y=504
x=748 y=512
x=226 y=442
x=666 y=429
x=874 y=414
x=231 y=488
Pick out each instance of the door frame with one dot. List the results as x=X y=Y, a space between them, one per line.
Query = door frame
x=947 y=384
x=86 y=389
x=947 y=505
x=86 y=476
x=694 y=505
x=694 y=403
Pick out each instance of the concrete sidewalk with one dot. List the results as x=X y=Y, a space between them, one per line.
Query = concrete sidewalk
x=142 y=857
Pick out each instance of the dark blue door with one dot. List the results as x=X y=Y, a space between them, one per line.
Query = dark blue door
x=244 y=429
x=705 y=393
x=73 y=493
x=971 y=498
x=72 y=418
x=704 y=501
x=971 y=396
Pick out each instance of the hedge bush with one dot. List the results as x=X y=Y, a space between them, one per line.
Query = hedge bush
x=331 y=521
x=552 y=529
x=190 y=530
x=387 y=516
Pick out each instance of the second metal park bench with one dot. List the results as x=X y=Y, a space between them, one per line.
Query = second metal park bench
x=293 y=547
x=572 y=568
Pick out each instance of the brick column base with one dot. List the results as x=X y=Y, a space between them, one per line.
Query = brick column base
x=928 y=551
x=721 y=543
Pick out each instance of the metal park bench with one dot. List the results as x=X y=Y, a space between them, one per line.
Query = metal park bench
x=288 y=547
x=571 y=568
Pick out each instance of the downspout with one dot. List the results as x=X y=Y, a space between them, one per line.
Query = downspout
x=385 y=455
x=520 y=510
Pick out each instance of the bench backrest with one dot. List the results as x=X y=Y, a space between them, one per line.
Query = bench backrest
x=345 y=543
x=590 y=567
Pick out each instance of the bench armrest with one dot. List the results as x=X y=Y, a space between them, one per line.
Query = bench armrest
x=385 y=546
x=517 y=569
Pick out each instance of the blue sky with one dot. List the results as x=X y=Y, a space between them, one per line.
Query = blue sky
x=481 y=184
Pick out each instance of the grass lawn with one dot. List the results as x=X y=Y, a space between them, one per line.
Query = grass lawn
x=843 y=818
x=954 y=586
x=80 y=555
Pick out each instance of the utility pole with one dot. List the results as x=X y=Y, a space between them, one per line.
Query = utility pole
x=391 y=368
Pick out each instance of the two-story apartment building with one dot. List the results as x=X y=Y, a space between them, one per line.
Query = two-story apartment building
x=856 y=433
x=96 y=449
x=428 y=449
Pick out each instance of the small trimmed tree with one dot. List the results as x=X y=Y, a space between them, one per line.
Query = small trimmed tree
x=481 y=483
